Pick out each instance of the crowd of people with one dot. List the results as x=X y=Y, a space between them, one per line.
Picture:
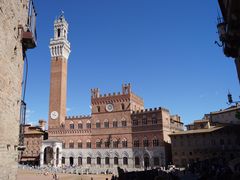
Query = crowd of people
x=211 y=169
x=153 y=174
x=216 y=168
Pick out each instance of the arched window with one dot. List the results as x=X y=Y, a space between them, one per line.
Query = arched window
x=107 y=162
x=98 y=160
x=98 y=143
x=135 y=121
x=156 y=161
x=115 y=143
x=80 y=126
x=146 y=161
x=124 y=143
x=79 y=144
x=155 y=142
x=98 y=109
x=137 y=161
x=115 y=160
x=88 y=160
x=98 y=125
x=58 y=32
x=63 y=160
x=115 y=123
x=63 y=145
x=144 y=120
x=124 y=123
x=154 y=119
x=71 y=160
x=79 y=161
x=106 y=123
x=71 y=144
x=123 y=106
x=107 y=143
x=145 y=142
x=125 y=161
x=71 y=125
x=89 y=144
x=88 y=125
x=136 y=143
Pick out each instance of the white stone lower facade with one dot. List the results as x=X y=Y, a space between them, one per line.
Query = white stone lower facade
x=126 y=158
x=102 y=160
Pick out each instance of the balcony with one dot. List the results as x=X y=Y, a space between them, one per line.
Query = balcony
x=229 y=27
x=29 y=35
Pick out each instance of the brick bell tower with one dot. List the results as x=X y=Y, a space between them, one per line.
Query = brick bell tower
x=60 y=50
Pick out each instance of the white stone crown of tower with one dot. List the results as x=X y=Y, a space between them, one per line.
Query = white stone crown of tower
x=59 y=45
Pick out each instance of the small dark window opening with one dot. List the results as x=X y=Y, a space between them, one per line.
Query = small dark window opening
x=58 y=32
x=137 y=161
x=98 y=108
x=107 y=160
x=123 y=106
x=79 y=145
x=88 y=160
x=115 y=160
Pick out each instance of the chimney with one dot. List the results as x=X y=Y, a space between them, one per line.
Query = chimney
x=42 y=124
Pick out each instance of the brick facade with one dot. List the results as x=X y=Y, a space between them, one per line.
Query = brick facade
x=106 y=137
x=201 y=144
x=33 y=138
x=214 y=136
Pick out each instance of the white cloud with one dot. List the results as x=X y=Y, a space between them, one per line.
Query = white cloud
x=29 y=112
x=68 y=109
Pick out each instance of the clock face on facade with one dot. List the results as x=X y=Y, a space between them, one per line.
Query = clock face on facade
x=109 y=107
x=54 y=114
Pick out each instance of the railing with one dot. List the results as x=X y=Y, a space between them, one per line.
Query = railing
x=32 y=20
x=29 y=36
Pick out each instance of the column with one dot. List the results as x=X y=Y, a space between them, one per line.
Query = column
x=120 y=161
x=84 y=161
x=54 y=156
x=131 y=162
x=111 y=161
x=41 y=158
x=75 y=160
x=67 y=162
x=60 y=158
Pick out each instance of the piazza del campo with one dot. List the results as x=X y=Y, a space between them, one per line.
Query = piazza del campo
x=120 y=138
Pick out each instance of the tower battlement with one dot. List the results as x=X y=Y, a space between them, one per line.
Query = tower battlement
x=126 y=90
x=125 y=100
x=150 y=110
x=77 y=117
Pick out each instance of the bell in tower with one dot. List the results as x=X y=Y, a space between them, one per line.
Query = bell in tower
x=59 y=45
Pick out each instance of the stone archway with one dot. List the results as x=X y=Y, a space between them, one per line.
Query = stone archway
x=48 y=155
x=146 y=161
x=57 y=156
x=71 y=161
x=51 y=153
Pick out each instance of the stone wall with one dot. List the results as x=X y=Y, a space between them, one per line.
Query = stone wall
x=12 y=14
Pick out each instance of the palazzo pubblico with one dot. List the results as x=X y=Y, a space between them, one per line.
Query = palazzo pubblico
x=118 y=132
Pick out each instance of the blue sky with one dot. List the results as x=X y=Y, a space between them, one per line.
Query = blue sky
x=165 y=49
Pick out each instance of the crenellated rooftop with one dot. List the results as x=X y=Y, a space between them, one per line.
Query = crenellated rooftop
x=78 y=117
x=150 y=110
x=125 y=95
